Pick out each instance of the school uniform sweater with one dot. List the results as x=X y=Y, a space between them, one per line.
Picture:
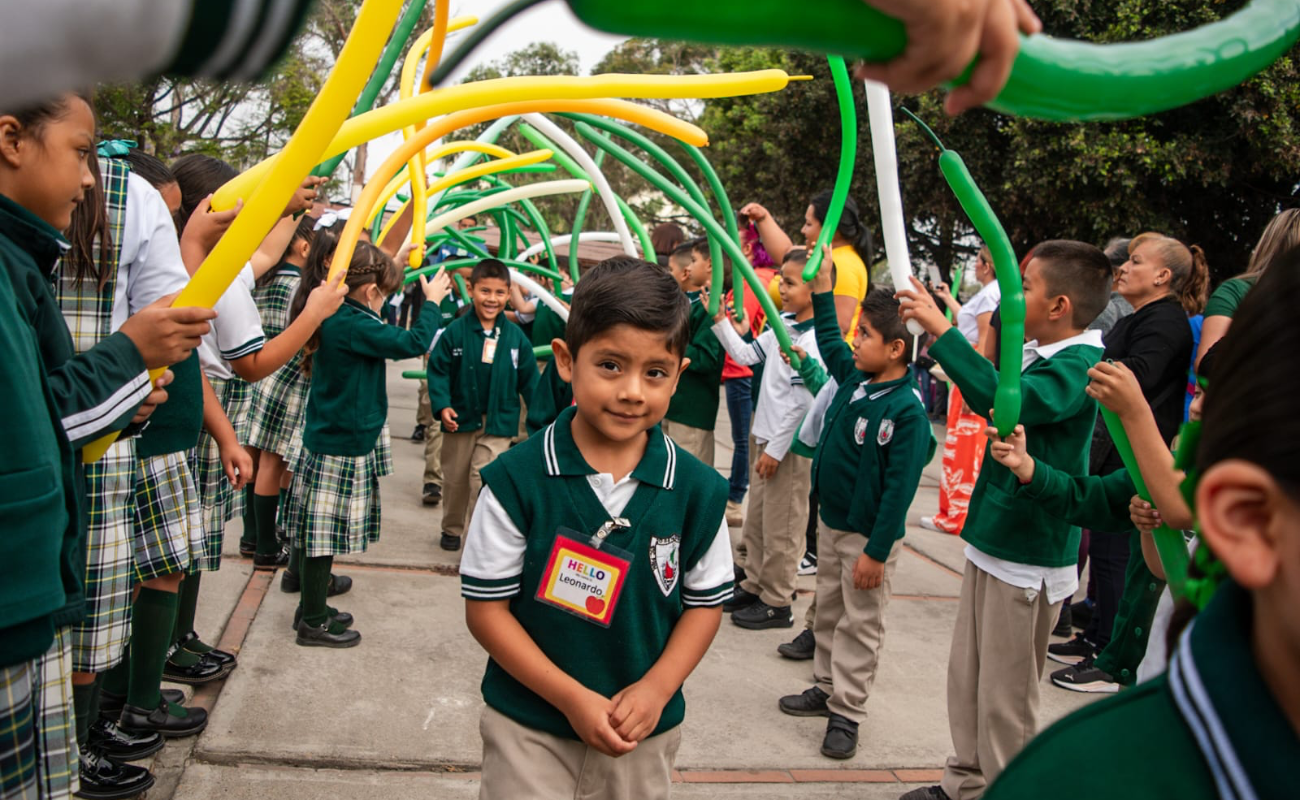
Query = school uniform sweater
x=695 y=403
x=459 y=378
x=87 y=396
x=872 y=444
x=1208 y=728
x=348 y=401
x=1058 y=416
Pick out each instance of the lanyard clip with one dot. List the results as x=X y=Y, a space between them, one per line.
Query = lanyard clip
x=616 y=524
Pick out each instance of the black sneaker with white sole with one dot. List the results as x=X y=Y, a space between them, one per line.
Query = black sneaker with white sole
x=810 y=703
x=760 y=615
x=1073 y=651
x=1085 y=677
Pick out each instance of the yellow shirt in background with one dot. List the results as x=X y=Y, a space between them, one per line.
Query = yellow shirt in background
x=851 y=280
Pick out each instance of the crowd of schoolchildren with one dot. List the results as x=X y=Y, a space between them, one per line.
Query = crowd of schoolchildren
x=579 y=485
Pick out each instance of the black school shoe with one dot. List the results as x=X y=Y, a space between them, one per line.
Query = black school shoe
x=1085 y=677
x=102 y=778
x=841 y=740
x=1071 y=652
x=341 y=617
x=449 y=542
x=111 y=740
x=739 y=599
x=226 y=660
x=110 y=705
x=811 y=703
x=276 y=560
x=291 y=583
x=926 y=793
x=331 y=634
x=205 y=670
x=247 y=549
x=161 y=720
x=760 y=615
x=802 y=648
x=431 y=495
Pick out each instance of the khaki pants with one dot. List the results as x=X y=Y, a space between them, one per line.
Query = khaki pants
x=741 y=556
x=850 y=626
x=696 y=441
x=774 y=529
x=432 y=436
x=463 y=456
x=521 y=762
x=999 y=648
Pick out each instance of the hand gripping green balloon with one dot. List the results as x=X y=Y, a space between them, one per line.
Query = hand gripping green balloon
x=1053 y=79
x=844 y=175
x=1006 y=404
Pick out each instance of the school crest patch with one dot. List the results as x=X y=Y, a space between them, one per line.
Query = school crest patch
x=886 y=432
x=664 y=561
x=860 y=430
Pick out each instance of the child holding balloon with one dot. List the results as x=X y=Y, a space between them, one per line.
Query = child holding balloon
x=1020 y=560
x=336 y=507
x=693 y=412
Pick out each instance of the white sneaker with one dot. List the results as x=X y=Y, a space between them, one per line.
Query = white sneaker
x=808 y=566
x=928 y=524
x=735 y=514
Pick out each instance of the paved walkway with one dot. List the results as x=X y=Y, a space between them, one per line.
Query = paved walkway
x=397 y=717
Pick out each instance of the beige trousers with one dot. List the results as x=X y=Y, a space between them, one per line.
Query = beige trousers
x=850 y=625
x=521 y=762
x=999 y=648
x=696 y=441
x=464 y=455
x=432 y=435
x=774 y=529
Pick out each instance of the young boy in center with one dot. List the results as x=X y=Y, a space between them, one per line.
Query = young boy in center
x=1020 y=559
x=480 y=367
x=597 y=561
x=693 y=412
x=874 y=441
x=778 y=487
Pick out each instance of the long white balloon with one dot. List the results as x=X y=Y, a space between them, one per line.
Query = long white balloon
x=448 y=218
x=556 y=241
x=566 y=142
x=881 y=116
x=541 y=292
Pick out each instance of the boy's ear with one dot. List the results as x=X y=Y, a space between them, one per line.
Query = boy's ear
x=1242 y=511
x=1061 y=308
x=897 y=349
x=563 y=359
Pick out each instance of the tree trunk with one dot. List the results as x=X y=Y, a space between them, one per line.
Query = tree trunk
x=358 y=174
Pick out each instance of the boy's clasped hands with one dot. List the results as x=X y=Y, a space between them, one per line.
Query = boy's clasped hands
x=616 y=724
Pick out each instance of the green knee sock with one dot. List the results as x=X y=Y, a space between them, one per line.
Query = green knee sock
x=187 y=601
x=118 y=679
x=295 y=562
x=85 y=706
x=315 y=585
x=153 y=616
x=250 y=517
x=267 y=544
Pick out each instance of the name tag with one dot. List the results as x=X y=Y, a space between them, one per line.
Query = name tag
x=583 y=581
x=489 y=350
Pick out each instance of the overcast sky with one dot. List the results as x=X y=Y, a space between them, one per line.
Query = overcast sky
x=549 y=22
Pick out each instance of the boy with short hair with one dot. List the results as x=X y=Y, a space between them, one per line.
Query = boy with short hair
x=693 y=413
x=480 y=367
x=1020 y=559
x=874 y=441
x=679 y=264
x=597 y=561
x=779 y=480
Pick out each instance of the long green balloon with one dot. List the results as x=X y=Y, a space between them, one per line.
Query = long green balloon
x=701 y=215
x=724 y=207
x=1053 y=79
x=844 y=173
x=1169 y=542
x=383 y=71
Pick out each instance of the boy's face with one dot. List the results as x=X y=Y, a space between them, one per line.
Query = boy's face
x=623 y=380
x=796 y=295
x=681 y=271
x=871 y=353
x=1040 y=303
x=701 y=271
x=489 y=296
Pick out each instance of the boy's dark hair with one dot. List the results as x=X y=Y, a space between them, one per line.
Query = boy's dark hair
x=701 y=246
x=682 y=253
x=798 y=255
x=1079 y=271
x=151 y=168
x=624 y=290
x=490 y=268
x=881 y=310
x=198 y=176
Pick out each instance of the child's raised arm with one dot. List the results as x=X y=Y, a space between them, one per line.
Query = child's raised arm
x=836 y=355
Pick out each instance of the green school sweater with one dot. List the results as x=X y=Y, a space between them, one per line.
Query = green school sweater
x=458 y=378
x=1058 y=417
x=550 y=396
x=874 y=443
x=348 y=401
x=547 y=326
x=695 y=403
x=87 y=396
x=174 y=426
x=678 y=506
x=1209 y=728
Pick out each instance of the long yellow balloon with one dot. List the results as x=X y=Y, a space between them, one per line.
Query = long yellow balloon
x=433 y=154
x=272 y=190
x=373 y=124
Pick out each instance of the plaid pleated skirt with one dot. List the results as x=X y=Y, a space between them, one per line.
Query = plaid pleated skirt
x=220 y=503
x=18 y=731
x=168 y=516
x=99 y=639
x=57 y=766
x=335 y=510
x=278 y=408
